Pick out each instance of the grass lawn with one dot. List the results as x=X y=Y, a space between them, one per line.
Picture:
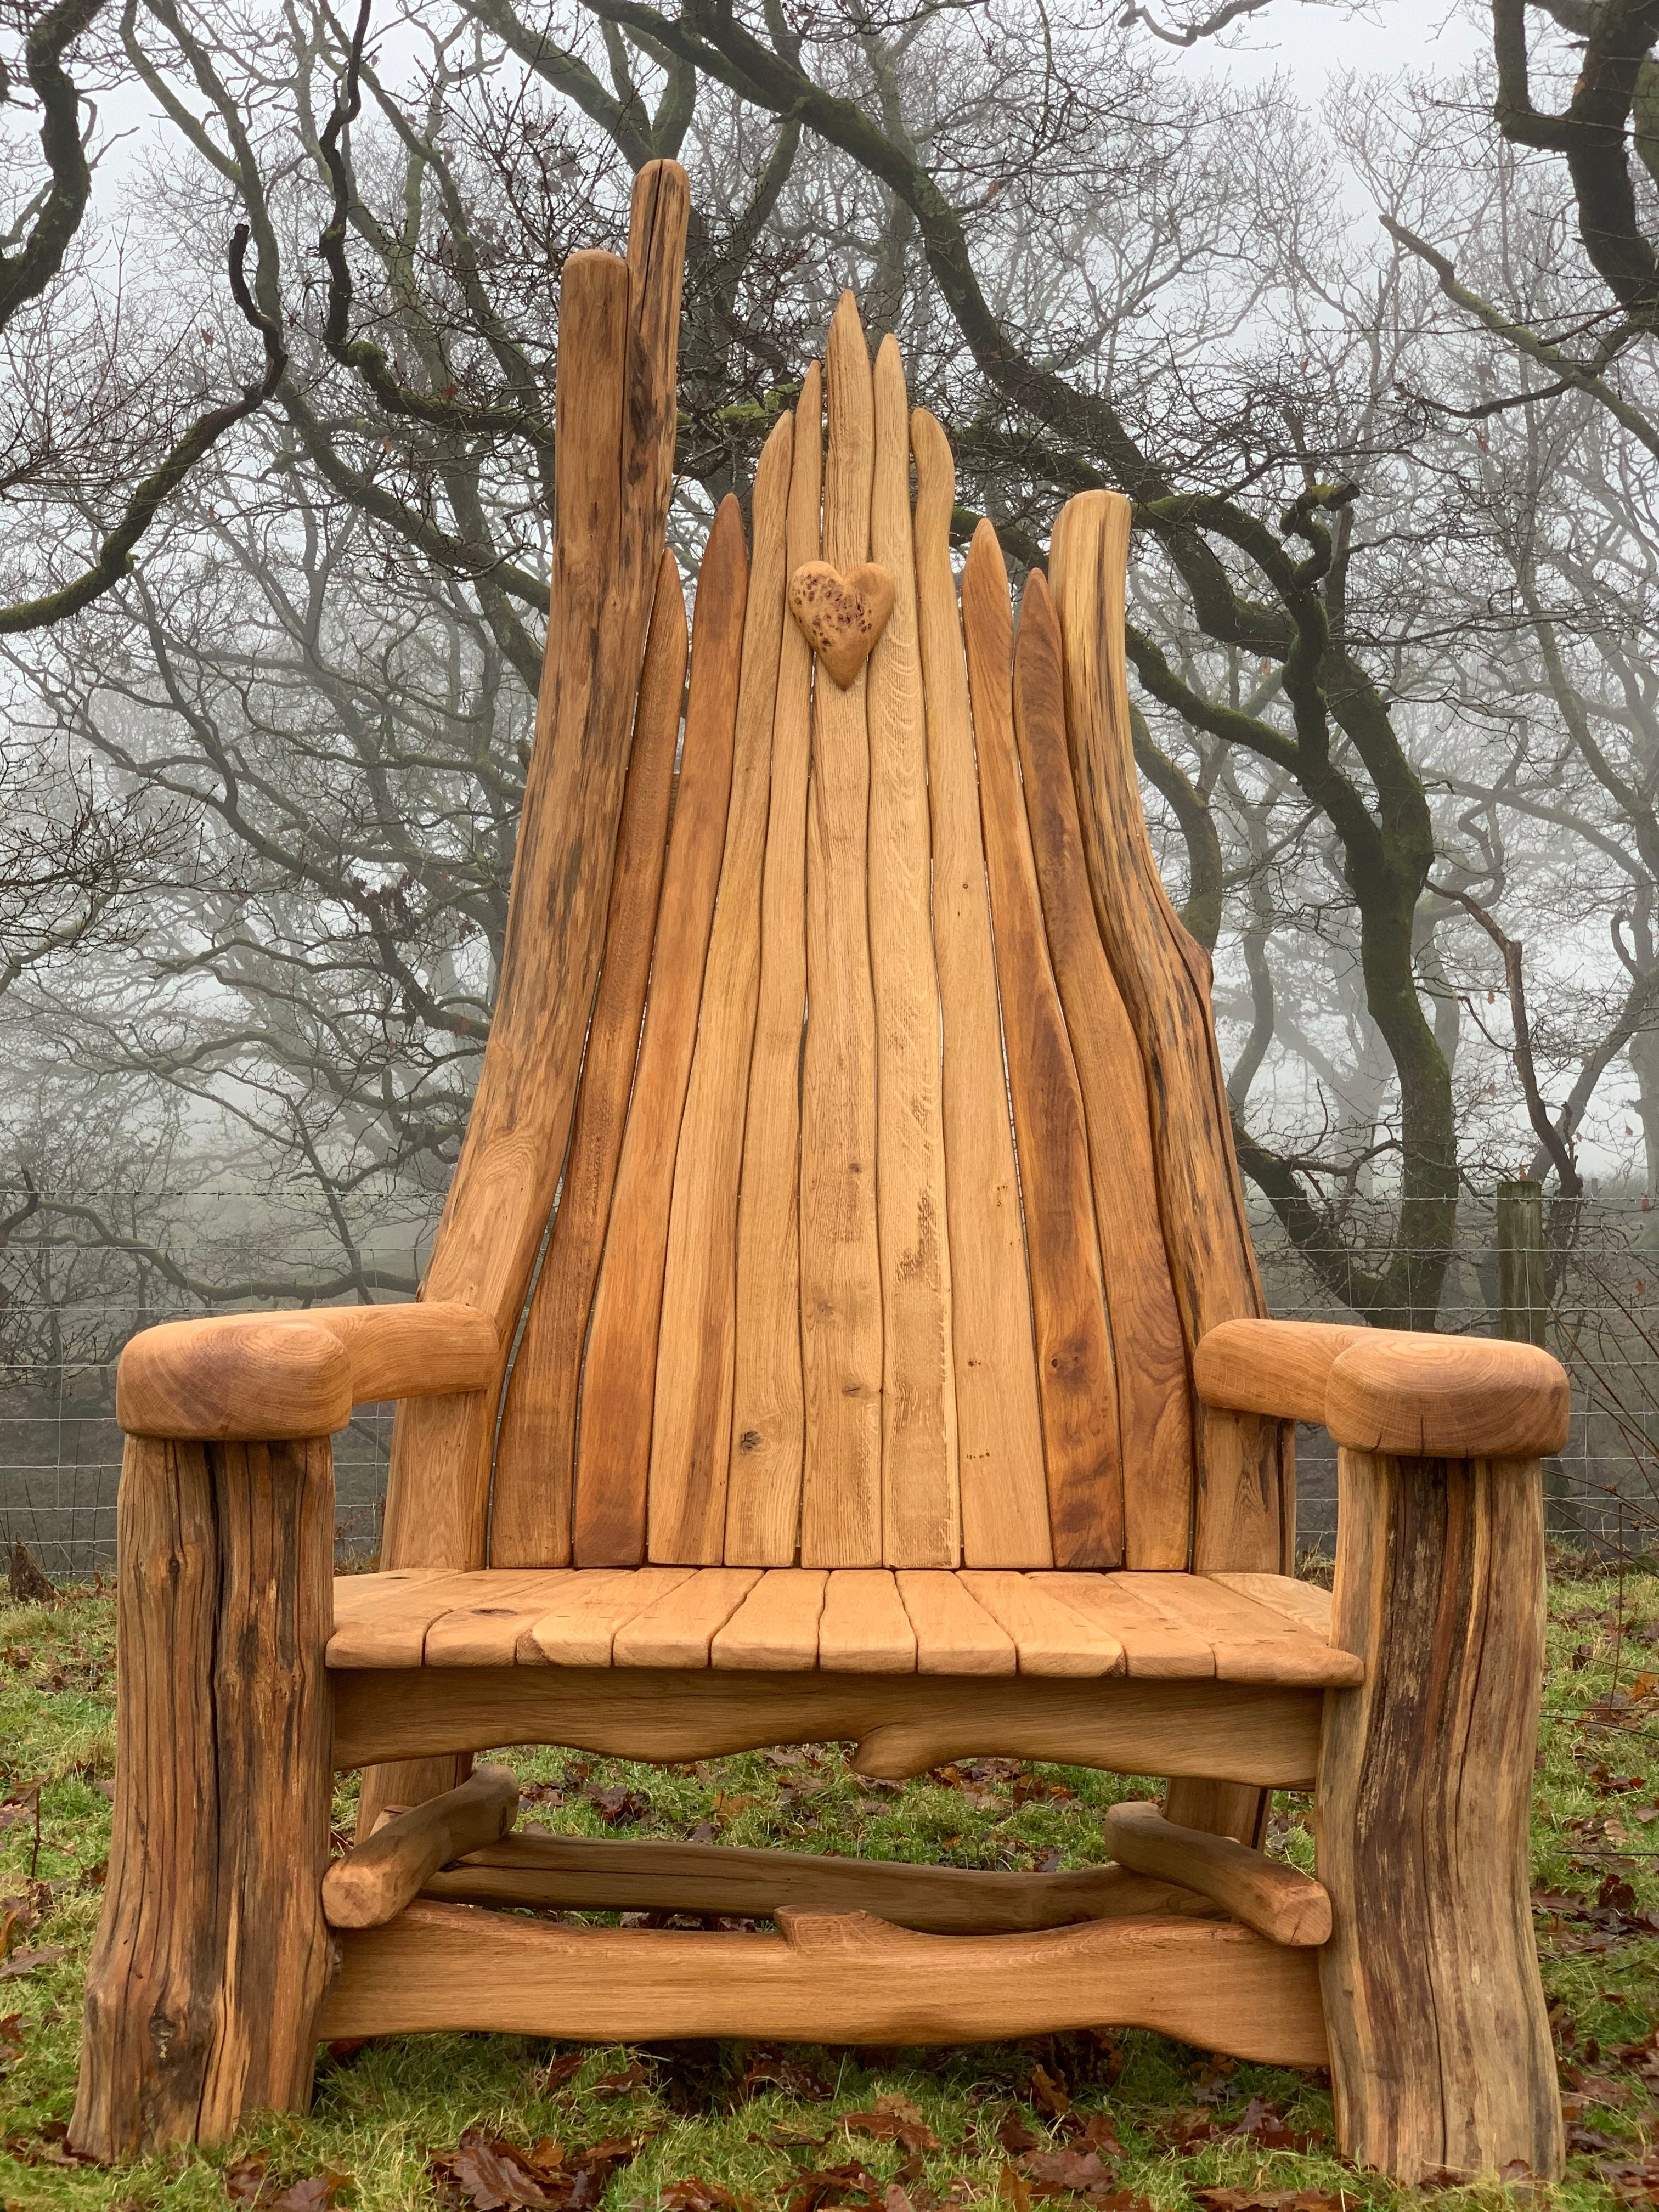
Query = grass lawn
x=1117 y=2121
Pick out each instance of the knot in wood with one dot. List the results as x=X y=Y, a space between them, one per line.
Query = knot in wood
x=841 y=615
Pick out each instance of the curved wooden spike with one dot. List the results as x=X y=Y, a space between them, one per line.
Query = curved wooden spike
x=613 y=1437
x=1154 y=1405
x=840 y=1263
x=1075 y=1376
x=692 y=1428
x=763 y=1498
x=1245 y=1512
x=536 y=1449
x=919 y=1522
x=1005 y=1504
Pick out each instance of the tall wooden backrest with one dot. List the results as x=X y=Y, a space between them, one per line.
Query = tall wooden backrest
x=898 y=1185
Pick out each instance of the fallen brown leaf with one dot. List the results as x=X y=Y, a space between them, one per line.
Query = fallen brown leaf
x=849 y=2184
x=1068 y=2172
x=696 y=2195
x=1013 y=2134
x=1267 y=2200
x=633 y=2076
x=1046 y=2094
x=25 y=1962
x=484 y=2173
x=895 y=2119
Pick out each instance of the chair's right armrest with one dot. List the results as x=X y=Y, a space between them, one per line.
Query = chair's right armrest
x=265 y=1378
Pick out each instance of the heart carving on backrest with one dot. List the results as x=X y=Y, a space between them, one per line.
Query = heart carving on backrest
x=841 y=615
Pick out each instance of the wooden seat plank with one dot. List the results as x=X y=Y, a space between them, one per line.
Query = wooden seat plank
x=536 y=1449
x=762 y=1497
x=864 y=1628
x=775 y=1629
x=1251 y=1643
x=1004 y=1498
x=1154 y=1645
x=955 y=1635
x=579 y=1627
x=1305 y=1603
x=677 y=1630
x=691 y=1421
x=840 y=1259
x=1154 y=1399
x=919 y=1523
x=1075 y=1381
x=1051 y=1637
x=485 y=1631
x=613 y=1438
x=381 y=1620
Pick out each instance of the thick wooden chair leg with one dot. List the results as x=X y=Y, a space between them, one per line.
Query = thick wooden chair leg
x=1440 y=2048
x=212 y=1956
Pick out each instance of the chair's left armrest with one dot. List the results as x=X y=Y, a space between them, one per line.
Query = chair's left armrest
x=1391 y=1391
x=263 y=1377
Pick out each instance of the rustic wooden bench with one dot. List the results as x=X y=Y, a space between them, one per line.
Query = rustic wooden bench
x=843 y=1327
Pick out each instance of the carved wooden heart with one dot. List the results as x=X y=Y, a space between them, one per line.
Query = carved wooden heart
x=841 y=615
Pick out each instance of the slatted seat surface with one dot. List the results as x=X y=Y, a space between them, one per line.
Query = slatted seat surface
x=1231 y=1628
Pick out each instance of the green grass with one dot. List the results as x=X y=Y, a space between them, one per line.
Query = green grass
x=759 y=2123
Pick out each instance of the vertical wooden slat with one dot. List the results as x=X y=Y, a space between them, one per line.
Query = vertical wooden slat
x=1075 y=1378
x=1244 y=1516
x=919 y=1523
x=613 y=1433
x=691 y=1426
x=1005 y=1504
x=763 y=1498
x=1154 y=1406
x=536 y=1449
x=839 y=1264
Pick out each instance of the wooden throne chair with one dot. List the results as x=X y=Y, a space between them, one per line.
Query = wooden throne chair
x=843 y=1327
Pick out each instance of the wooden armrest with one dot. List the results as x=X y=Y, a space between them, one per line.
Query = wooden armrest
x=263 y=1377
x=1391 y=1391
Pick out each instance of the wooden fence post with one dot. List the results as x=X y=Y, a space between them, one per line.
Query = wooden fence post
x=1523 y=1311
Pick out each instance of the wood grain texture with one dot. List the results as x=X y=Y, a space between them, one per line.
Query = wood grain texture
x=1305 y=1603
x=485 y=1631
x=841 y=614
x=258 y=1376
x=1279 y=1368
x=864 y=1628
x=1154 y=1404
x=1153 y=1645
x=1076 y=1383
x=1451 y=1397
x=534 y=1480
x=903 y=1723
x=613 y=1431
x=386 y=1871
x=1051 y=1637
x=579 y=1627
x=840 y=1258
x=1004 y=1496
x=920 y=1525
x=1279 y=1902
x=1243 y=1519
x=692 y=1421
x=678 y=1629
x=381 y=1620
x=1252 y=1642
x=212 y=1956
x=827 y=1978
x=776 y=1626
x=606 y=1875
x=955 y=1634
x=1441 y=2054
x=618 y=334
x=762 y=1498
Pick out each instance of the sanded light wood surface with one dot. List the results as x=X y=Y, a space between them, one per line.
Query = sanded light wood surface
x=586 y=1874
x=579 y=1629
x=920 y=1526
x=1076 y=1383
x=255 y=1377
x=1051 y=1636
x=841 y=613
x=1243 y=1517
x=691 y=1421
x=827 y=1978
x=1004 y=1498
x=615 y=413
x=1154 y=1402
x=840 y=1257
x=536 y=1450
x=763 y=1498
x=485 y=1631
x=1274 y=1367
x=1456 y=1397
x=1153 y=1645
x=902 y=1723
x=776 y=1625
x=1279 y=1901
x=955 y=1634
x=677 y=1630
x=386 y=1871
x=864 y=1628
x=1305 y=1603
x=212 y=1956
x=613 y=1435
x=1251 y=1643
x=1441 y=2053
x=381 y=1620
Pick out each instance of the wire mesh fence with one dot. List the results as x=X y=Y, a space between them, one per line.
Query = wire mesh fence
x=62 y=1328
